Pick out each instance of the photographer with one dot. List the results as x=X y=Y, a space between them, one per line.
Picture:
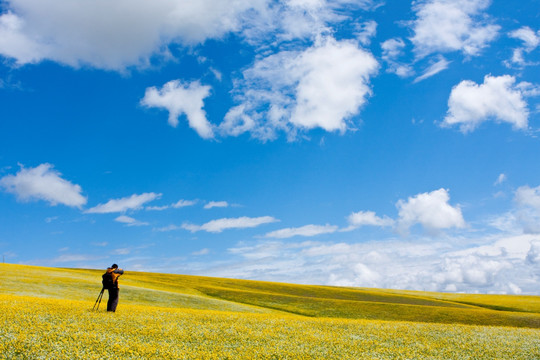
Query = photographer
x=110 y=282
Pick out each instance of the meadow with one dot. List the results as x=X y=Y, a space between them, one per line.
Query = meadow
x=46 y=313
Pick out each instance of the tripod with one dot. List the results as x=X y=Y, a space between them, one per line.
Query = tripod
x=100 y=296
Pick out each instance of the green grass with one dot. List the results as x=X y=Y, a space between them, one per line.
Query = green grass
x=204 y=293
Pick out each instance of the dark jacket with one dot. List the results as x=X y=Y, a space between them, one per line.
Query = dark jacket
x=115 y=274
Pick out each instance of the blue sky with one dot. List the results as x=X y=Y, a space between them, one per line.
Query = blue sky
x=356 y=143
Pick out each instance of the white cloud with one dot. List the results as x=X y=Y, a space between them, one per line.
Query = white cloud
x=530 y=39
x=307 y=230
x=475 y=271
x=168 y=228
x=500 y=179
x=43 y=183
x=101 y=244
x=498 y=99
x=129 y=31
x=183 y=203
x=121 y=251
x=533 y=255
x=14 y=44
x=367 y=218
x=217 y=226
x=51 y=219
x=129 y=221
x=452 y=25
x=213 y=204
x=366 y=31
x=133 y=202
x=321 y=87
x=176 y=205
x=527 y=89
x=201 y=252
x=343 y=71
x=392 y=50
x=524 y=216
x=180 y=98
x=527 y=196
x=431 y=210
x=498 y=265
x=282 y=21
x=132 y=32
x=157 y=208
x=527 y=212
x=74 y=258
x=440 y=65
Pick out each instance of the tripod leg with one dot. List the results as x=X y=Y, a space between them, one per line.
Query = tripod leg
x=94 y=307
x=98 y=299
x=101 y=297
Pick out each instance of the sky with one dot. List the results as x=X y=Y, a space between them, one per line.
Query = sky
x=368 y=143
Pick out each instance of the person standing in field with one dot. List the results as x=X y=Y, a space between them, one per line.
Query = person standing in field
x=110 y=282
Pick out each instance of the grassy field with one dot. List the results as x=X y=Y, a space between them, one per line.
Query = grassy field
x=46 y=313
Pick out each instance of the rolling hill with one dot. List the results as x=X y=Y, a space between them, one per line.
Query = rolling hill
x=205 y=293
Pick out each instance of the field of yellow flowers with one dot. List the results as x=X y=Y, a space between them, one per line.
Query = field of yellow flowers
x=41 y=328
x=47 y=313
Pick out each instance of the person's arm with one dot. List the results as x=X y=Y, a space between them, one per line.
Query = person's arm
x=119 y=271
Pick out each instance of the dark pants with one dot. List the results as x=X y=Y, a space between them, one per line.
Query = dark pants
x=113 y=299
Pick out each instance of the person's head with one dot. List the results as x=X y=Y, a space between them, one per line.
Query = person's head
x=114 y=266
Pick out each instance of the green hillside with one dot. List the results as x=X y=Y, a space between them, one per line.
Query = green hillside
x=204 y=293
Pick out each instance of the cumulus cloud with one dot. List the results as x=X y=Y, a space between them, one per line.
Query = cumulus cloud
x=321 y=87
x=213 y=204
x=129 y=221
x=217 y=226
x=43 y=183
x=367 y=218
x=431 y=210
x=533 y=255
x=527 y=196
x=181 y=98
x=132 y=32
x=498 y=99
x=499 y=265
x=527 y=212
x=129 y=31
x=452 y=25
x=524 y=216
x=476 y=271
x=133 y=202
x=14 y=44
x=307 y=230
